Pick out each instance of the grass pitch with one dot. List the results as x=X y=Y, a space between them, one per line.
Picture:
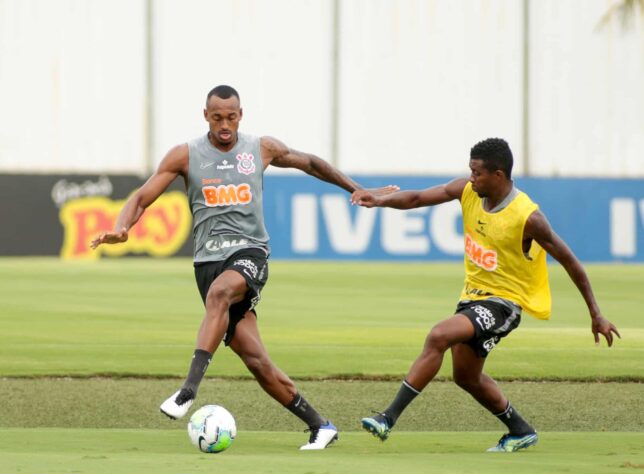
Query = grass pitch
x=159 y=451
x=133 y=403
x=347 y=331
x=140 y=316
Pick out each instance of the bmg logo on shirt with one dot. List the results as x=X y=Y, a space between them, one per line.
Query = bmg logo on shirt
x=227 y=195
x=479 y=255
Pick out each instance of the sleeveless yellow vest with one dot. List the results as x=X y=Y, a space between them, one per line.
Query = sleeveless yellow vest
x=495 y=264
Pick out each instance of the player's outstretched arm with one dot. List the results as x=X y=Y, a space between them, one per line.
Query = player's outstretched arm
x=276 y=153
x=175 y=163
x=538 y=228
x=412 y=199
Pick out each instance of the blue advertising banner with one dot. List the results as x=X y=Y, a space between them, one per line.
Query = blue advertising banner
x=602 y=220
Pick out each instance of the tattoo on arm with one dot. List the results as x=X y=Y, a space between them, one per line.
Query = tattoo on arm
x=282 y=156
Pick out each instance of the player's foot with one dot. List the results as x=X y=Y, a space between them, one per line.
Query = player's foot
x=508 y=443
x=321 y=437
x=178 y=404
x=377 y=425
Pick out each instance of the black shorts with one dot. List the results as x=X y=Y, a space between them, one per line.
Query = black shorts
x=252 y=264
x=492 y=320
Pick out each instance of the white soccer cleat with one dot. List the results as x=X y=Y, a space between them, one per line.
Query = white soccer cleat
x=178 y=404
x=321 y=437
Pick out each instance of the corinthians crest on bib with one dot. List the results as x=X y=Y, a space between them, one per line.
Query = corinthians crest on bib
x=245 y=163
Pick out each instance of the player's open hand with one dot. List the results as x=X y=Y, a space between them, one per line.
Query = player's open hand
x=603 y=326
x=114 y=237
x=383 y=191
x=369 y=197
x=364 y=198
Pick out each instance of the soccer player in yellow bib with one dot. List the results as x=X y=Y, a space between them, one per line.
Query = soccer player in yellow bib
x=506 y=238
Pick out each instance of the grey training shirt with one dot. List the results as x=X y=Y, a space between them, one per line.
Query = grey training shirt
x=225 y=195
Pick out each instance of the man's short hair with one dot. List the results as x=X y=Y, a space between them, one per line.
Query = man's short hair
x=223 y=92
x=495 y=154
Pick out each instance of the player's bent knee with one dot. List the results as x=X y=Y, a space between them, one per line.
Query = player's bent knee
x=218 y=295
x=260 y=367
x=437 y=339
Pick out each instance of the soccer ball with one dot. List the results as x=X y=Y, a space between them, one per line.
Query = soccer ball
x=212 y=429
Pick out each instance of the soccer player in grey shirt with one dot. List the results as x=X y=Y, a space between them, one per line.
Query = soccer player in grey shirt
x=223 y=173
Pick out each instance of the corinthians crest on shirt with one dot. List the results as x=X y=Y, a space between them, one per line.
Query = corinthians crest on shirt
x=245 y=163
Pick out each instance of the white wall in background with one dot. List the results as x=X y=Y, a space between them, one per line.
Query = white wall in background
x=71 y=86
x=420 y=81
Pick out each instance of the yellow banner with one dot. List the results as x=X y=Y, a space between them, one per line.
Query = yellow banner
x=160 y=232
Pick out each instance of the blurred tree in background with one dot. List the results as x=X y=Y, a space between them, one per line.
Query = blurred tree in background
x=624 y=11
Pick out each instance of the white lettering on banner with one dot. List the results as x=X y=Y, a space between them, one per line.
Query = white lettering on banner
x=402 y=232
x=64 y=190
x=346 y=238
x=304 y=223
x=350 y=233
x=623 y=226
x=443 y=229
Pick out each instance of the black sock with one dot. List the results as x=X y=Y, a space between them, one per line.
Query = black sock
x=305 y=412
x=515 y=423
x=198 y=366
x=403 y=398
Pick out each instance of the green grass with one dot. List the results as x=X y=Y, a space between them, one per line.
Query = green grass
x=139 y=317
x=133 y=403
x=159 y=451
x=346 y=331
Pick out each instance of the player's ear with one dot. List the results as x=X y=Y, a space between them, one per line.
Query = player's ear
x=205 y=114
x=241 y=113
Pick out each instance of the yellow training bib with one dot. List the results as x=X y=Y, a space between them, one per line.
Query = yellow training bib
x=495 y=264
